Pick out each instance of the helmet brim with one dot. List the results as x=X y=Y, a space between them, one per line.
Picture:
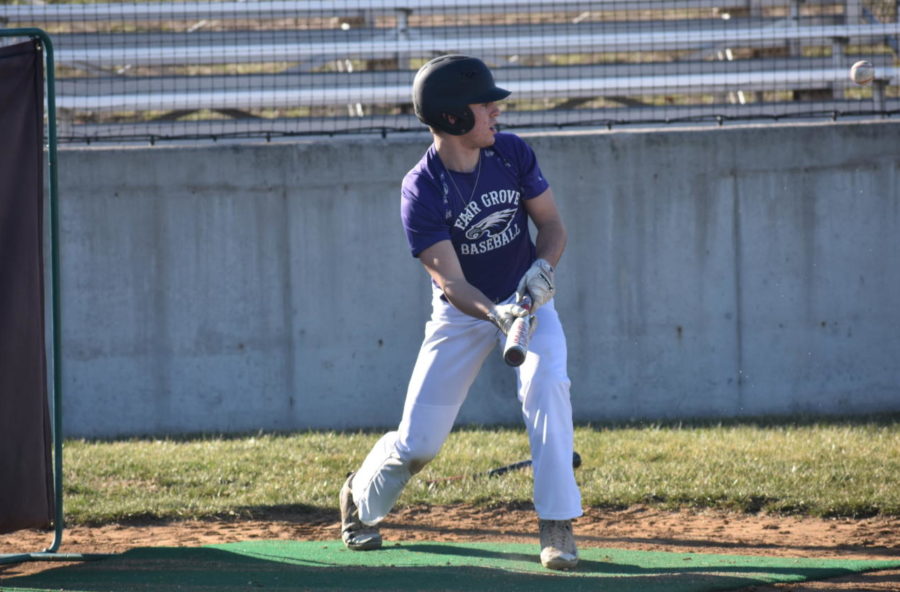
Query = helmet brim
x=492 y=95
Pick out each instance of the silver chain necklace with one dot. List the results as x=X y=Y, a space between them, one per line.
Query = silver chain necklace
x=474 y=185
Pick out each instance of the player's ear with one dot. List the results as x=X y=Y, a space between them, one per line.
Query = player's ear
x=451 y=119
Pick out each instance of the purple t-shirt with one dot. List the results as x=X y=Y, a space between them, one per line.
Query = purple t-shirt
x=487 y=223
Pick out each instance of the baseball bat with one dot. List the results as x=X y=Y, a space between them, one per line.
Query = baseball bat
x=517 y=339
x=516 y=466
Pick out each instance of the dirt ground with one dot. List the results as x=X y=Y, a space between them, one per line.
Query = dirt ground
x=639 y=527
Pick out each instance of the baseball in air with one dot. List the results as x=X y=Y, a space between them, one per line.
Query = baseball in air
x=862 y=72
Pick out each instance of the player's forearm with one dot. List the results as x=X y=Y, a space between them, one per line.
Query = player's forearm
x=467 y=298
x=550 y=241
x=442 y=264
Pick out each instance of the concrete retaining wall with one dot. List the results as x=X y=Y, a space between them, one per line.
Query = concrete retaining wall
x=716 y=272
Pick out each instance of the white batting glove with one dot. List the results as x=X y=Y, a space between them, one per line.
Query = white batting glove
x=537 y=281
x=503 y=315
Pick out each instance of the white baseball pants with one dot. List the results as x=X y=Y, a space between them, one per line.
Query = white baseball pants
x=455 y=347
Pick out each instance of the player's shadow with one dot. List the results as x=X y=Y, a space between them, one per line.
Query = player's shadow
x=740 y=568
x=462 y=551
x=733 y=546
x=296 y=566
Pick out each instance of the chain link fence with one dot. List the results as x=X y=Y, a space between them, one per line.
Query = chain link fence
x=160 y=70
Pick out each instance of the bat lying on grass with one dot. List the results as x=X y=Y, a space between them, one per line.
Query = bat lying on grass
x=516 y=466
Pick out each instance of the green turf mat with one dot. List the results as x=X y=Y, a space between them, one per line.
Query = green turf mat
x=291 y=565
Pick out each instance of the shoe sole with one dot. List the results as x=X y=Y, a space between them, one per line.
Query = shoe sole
x=369 y=545
x=370 y=542
x=559 y=562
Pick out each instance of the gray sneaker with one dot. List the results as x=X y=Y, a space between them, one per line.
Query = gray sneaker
x=558 y=549
x=355 y=534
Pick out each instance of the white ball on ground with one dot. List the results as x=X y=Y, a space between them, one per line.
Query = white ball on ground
x=862 y=72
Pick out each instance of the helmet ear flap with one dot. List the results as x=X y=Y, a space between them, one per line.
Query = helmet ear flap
x=458 y=122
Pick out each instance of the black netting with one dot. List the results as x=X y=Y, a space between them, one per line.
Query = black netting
x=271 y=68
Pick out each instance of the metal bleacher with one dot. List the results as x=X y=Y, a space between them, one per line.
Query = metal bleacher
x=721 y=58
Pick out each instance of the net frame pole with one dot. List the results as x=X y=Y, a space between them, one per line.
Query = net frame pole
x=50 y=553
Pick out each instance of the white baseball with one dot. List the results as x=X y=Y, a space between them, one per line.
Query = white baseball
x=862 y=72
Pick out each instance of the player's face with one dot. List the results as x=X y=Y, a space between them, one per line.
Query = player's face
x=482 y=133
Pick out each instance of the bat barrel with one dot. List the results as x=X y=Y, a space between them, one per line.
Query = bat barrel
x=516 y=347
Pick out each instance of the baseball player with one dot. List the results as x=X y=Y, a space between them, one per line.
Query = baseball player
x=466 y=208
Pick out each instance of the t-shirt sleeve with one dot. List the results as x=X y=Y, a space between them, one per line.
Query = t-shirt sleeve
x=422 y=216
x=530 y=176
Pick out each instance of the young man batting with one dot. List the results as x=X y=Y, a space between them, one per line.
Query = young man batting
x=465 y=208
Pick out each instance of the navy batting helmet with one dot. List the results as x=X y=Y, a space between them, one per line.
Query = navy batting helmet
x=447 y=86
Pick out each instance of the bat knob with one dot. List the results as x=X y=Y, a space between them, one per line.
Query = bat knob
x=576 y=460
x=514 y=356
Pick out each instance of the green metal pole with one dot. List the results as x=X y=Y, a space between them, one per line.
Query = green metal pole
x=55 y=290
x=50 y=553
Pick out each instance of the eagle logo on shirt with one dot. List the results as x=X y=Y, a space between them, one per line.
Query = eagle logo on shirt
x=492 y=224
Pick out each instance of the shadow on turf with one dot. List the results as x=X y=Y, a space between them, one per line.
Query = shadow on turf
x=188 y=569
x=711 y=546
x=586 y=566
x=738 y=547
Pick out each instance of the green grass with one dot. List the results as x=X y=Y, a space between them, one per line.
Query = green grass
x=821 y=468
